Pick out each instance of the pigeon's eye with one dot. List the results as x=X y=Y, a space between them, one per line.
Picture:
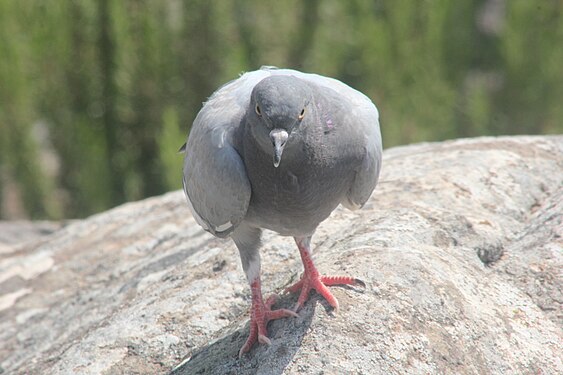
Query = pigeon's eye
x=258 y=111
x=301 y=115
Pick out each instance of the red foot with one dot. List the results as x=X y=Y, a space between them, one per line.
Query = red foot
x=260 y=315
x=312 y=280
x=320 y=283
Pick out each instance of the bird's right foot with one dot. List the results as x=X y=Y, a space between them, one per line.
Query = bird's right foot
x=260 y=315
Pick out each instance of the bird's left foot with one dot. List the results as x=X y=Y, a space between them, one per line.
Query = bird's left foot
x=319 y=283
x=311 y=278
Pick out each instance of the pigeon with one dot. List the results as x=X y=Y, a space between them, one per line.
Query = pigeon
x=279 y=149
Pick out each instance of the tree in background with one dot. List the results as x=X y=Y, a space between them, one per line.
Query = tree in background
x=21 y=178
x=96 y=97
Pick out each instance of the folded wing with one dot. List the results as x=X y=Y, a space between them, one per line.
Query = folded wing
x=215 y=180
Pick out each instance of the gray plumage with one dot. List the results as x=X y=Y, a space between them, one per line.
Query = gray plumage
x=332 y=156
x=279 y=149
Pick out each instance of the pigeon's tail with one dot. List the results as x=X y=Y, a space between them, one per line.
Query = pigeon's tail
x=183 y=148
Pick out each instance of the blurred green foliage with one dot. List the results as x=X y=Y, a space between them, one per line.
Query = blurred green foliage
x=97 y=96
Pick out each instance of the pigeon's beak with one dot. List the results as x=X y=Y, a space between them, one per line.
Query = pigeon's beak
x=279 y=138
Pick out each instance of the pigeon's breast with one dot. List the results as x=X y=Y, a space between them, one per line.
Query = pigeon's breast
x=294 y=198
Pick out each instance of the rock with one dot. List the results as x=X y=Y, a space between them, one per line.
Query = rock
x=460 y=248
x=14 y=233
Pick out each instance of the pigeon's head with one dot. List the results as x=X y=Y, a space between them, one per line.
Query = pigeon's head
x=279 y=108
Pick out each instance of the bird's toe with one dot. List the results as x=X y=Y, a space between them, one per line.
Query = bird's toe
x=264 y=340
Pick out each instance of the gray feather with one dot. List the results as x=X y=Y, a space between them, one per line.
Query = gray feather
x=215 y=181
x=334 y=158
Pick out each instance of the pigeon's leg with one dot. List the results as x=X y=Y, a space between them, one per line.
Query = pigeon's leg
x=247 y=240
x=311 y=278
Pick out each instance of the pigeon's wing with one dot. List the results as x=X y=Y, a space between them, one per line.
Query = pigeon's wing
x=363 y=119
x=370 y=147
x=215 y=180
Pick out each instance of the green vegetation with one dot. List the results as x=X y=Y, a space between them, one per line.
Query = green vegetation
x=97 y=96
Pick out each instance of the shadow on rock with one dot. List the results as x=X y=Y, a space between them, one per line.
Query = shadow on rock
x=221 y=356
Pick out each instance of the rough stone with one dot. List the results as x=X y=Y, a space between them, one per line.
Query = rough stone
x=460 y=248
x=17 y=232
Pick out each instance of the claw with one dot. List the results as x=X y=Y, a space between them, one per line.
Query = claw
x=312 y=280
x=261 y=313
x=264 y=340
